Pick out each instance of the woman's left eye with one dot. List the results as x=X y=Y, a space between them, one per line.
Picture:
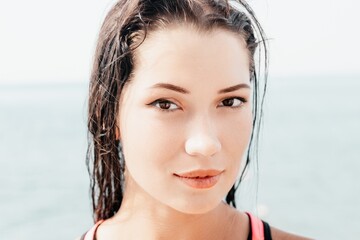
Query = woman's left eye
x=233 y=102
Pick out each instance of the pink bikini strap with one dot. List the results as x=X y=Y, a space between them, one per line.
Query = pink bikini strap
x=257 y=227
x=90 y=235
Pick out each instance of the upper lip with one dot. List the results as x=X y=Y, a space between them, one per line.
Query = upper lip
x=200 y=173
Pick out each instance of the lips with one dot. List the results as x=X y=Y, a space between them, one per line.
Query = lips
x=200 y=179
x=199 y=173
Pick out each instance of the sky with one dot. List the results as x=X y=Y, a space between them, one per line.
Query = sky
x=54 y=41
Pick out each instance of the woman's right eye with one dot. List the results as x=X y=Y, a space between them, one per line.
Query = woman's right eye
x=164 y=105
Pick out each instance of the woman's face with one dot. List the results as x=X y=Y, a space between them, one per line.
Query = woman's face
x=188 y=108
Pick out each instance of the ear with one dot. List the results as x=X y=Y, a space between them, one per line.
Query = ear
x=117 y=133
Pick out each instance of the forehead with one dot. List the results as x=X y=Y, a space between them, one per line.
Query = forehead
x=185 y=54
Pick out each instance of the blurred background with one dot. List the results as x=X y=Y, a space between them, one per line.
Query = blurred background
x=308 y=177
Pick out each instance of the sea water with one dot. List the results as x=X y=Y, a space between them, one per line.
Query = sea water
x=308 y=168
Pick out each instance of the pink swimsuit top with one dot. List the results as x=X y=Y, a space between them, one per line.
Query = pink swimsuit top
x=260 y=230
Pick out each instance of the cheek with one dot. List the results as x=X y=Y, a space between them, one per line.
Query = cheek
x=235 y=137
x=236 y=131
x=148 y=142
x=150 y=146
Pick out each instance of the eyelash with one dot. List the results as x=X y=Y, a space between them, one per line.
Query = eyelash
x=243 y=101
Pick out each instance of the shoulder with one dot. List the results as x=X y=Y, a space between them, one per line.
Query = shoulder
x=90 y=234
x=237 y=222
x=238 y=216
x=247 y=222
x=265 y=231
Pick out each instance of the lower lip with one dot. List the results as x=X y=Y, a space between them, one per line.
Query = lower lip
x=202 y=183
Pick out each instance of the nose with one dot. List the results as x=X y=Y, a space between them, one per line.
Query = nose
x=202 y=140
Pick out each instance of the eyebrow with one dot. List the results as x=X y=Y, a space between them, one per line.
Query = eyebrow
x=185 y=91
x=234 y=88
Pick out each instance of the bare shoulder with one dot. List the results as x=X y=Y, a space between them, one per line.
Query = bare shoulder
x=238 y=223
x=241 y=221
x=236 y=214
x=278 y=234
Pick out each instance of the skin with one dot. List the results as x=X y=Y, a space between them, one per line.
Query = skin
x=205 y=130
x=201 y=133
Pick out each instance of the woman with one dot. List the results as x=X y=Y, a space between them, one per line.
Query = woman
x=174 y=106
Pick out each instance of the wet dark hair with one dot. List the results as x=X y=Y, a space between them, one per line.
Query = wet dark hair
x=124 y=29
